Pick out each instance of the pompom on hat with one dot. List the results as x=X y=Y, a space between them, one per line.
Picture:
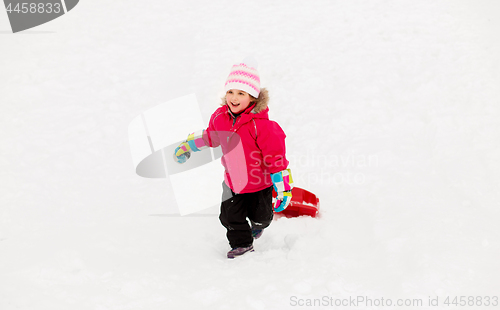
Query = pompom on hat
x=244 y=76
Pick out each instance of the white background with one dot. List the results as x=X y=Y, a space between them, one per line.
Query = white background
x=411 y=85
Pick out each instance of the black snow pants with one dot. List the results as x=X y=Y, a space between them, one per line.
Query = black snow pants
x=236 y=208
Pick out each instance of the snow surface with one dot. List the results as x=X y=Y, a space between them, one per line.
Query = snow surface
x=391 y=110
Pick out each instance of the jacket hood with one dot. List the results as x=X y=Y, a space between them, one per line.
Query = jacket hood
x=262 y=101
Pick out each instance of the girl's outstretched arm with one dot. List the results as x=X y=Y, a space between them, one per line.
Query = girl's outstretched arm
x=198 y=141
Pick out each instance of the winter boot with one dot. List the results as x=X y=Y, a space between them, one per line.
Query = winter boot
x=239 y=251
x=256 y=233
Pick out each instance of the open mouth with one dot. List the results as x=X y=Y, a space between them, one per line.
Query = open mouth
x=235 y=105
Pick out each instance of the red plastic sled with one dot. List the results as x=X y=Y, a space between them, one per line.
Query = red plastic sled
x=303 y=203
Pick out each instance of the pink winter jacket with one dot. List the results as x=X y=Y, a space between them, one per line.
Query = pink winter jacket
x=253 y=147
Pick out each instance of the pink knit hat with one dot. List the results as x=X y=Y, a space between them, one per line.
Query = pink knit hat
x=244 y=76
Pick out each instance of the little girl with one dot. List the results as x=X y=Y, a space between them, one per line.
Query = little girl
x=254 y=158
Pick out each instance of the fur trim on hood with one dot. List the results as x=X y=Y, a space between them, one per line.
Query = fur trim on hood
x=260 y=103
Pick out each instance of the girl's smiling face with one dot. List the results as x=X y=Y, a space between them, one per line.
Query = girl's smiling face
x=237 y=100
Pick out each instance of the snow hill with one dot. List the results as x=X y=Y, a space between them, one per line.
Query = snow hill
x=391 y=110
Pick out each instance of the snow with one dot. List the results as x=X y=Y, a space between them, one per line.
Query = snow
x=391 y=112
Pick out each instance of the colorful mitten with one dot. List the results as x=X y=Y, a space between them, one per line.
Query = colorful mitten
x=283 y=184
x=193 y=143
